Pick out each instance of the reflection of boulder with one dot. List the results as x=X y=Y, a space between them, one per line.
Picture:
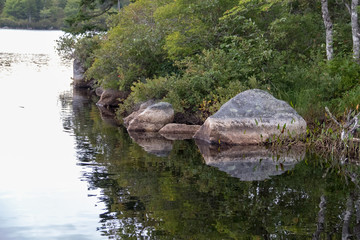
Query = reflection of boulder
x=251 y=117
x=174 y=131
x=108 y=116
x=153 y=118
x=250 y=163
x=152 y=142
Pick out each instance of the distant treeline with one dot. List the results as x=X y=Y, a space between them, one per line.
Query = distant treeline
x=37 y=14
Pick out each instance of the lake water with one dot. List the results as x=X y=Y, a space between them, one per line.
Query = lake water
x=67 y=172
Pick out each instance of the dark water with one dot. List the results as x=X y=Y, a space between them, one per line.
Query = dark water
x=155 y=188
x=67 y=172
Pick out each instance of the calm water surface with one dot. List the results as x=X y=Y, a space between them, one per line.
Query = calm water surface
x=67 y=172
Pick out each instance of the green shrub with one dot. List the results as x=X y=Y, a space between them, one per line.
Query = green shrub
x=207 y=80
x=80 y=47
x=132 y=50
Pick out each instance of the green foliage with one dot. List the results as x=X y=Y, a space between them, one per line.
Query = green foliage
x=91 y=15
x=198 y=54
x=80 y=47
x=132 y=50
x=211 y=78
x=2 y=4
x=191 y=25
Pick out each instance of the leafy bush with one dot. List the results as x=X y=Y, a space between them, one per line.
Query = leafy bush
x=207 y=80
x=132 y=50
x=79 y=47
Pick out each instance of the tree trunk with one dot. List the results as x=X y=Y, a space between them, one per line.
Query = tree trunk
x=355 y=29
x=328 y=28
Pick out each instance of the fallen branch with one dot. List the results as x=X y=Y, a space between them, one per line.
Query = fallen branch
x=349 y=128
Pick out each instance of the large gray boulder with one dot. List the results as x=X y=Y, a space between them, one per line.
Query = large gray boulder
x=153 y=118
x=251 y=117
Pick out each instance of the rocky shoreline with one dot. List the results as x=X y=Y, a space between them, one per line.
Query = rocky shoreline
x=250 y=118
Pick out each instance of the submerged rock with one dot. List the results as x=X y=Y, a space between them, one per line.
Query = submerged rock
x=153 y=118
x=251 y=163
x=251 y=117
x=152 y=142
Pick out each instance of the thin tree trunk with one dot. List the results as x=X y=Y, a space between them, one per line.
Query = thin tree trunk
x=355 y=29
x=328 y=28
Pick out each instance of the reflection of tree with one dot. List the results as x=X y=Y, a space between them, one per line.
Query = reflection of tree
x=180 y=197
x=320 y=218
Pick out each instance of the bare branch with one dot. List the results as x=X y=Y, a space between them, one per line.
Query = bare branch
x=349 y=127
x=332 y=117
x=347 y=7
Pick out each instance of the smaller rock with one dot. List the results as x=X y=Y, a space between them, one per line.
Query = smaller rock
x=79 y=80
x=111 y=98
x=136 y=113
x=174 y=131
x=153 y=118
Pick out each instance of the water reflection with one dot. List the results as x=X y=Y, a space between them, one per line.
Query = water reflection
x=108 y=116
x=153 y=143
x=208 y=194
x=180 y=196
x=152 y=188
x=251 y=163
x=41 y=196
